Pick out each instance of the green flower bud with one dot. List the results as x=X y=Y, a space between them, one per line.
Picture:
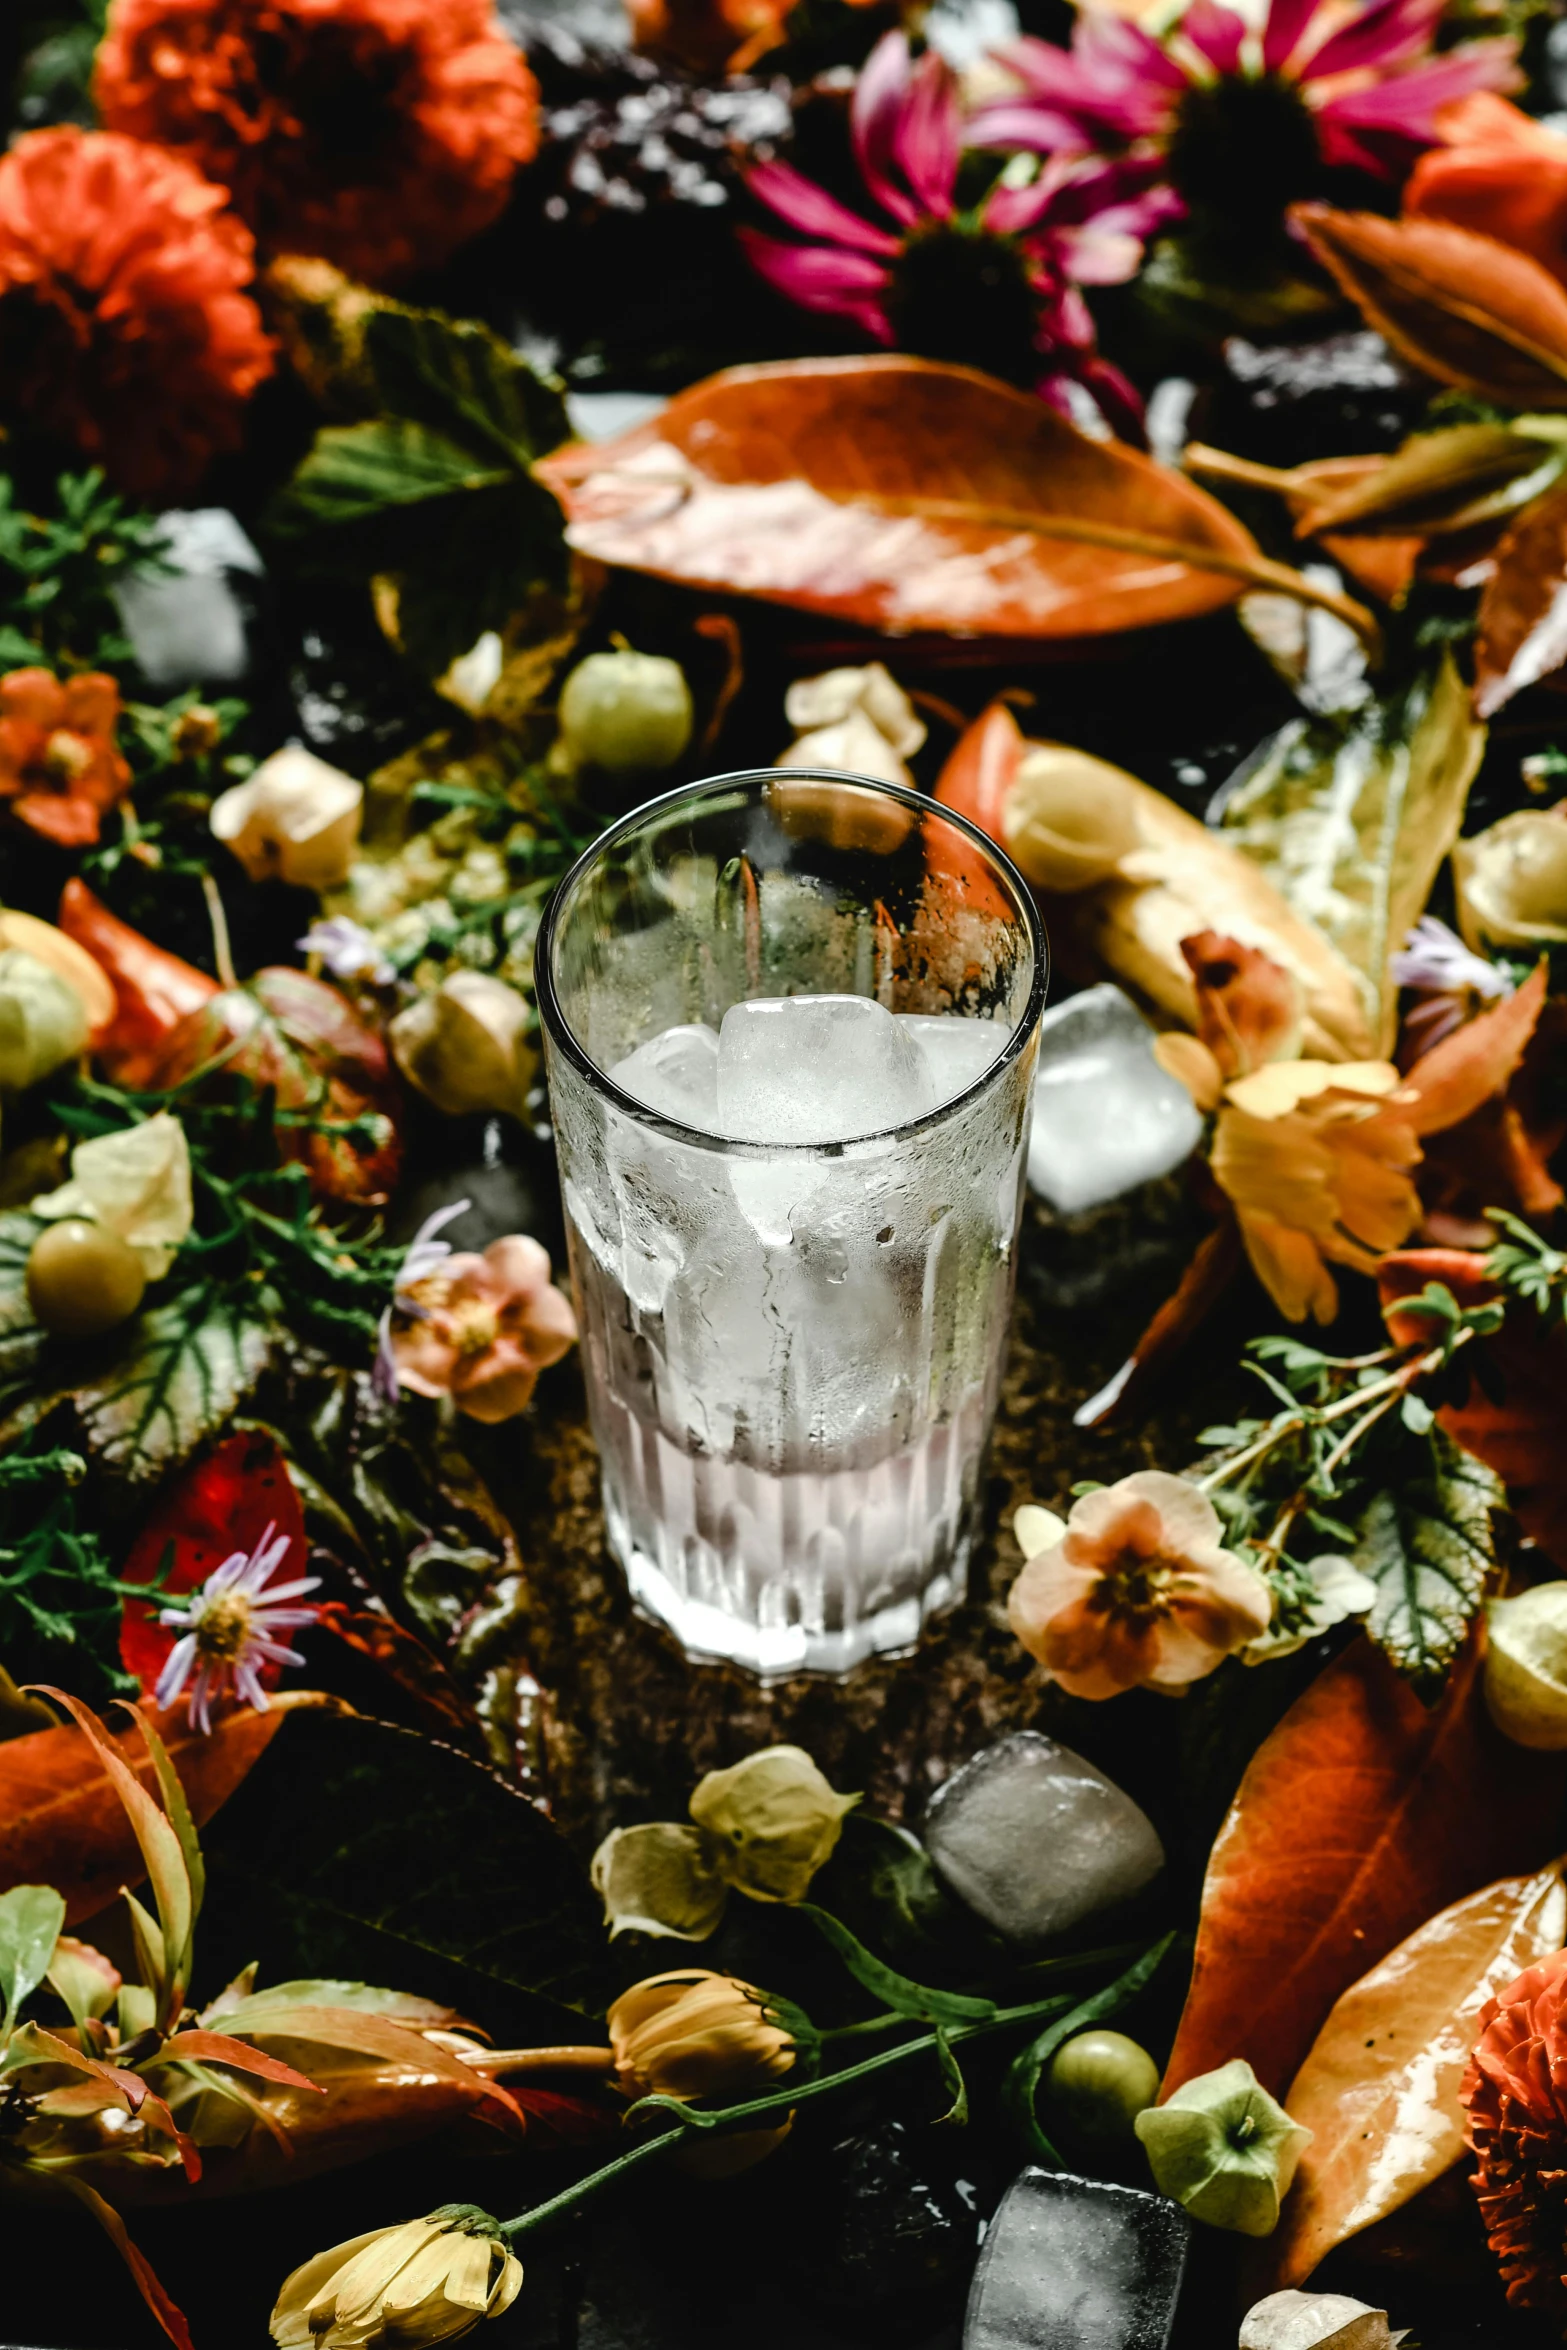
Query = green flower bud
x=43 y=1021
x=1225 y=2149
x=625 y=712
x=774 y=1821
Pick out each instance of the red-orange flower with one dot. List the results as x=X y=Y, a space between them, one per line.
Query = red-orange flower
x=1500 y=173
x=380 y=133
x=123 y=319
x=59 y=769
x=1515 y=2094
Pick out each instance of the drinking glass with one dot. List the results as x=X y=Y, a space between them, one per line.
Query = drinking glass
x=792 y=1350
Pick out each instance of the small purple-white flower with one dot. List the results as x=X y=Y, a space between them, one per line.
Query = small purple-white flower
x=228 y=1630
x=348 y=950
x=424 y=1253
x=1435 y=965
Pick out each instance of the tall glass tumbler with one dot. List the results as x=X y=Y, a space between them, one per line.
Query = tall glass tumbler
x=792 y=1350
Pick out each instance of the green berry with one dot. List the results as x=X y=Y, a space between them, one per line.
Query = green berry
x=82 y=1280
x=625 y=712
x=1097 y=2084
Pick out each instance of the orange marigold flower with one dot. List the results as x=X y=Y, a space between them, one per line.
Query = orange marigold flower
x=1514 y=2096
x=59 y=768
x=123 y=319
x=379 y=133
x=1136 y=1590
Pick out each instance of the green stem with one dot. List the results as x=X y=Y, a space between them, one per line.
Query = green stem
x=782 y=2101
x=1381 y=1392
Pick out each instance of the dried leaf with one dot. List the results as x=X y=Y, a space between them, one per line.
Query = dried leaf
x=790 y=481
x=1351 y=819
x=1361 y=1815
x=1523 y=607
x=1477 y=1060
x=61 y=1822
x=1437 y=482
x=1469 y=311
x=1379 y=2090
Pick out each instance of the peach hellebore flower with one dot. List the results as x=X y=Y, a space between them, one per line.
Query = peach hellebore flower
x=481 y=1328
x=60 y=769
x=1136 y=1590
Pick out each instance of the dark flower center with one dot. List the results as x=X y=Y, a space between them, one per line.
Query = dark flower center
x=1240 y=150
x=963 y=294
x=348 y=93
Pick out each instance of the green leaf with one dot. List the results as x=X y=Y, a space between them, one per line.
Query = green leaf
x=1019 y=2088
x=489 y=566
x=355 y=472
x=952 y=2077
x=32 y=1918
x=360 y=1850
x=186 y=1367
x=457 y=377
x=892 y=1989
x=1351 y=819
x=1426 y=1541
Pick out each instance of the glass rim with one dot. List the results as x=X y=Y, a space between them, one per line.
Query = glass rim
x=561 y=1034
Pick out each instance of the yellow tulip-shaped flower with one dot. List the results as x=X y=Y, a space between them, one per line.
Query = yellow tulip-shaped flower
x=429 y=2281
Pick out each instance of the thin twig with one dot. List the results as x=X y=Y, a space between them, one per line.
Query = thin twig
x=222 y=953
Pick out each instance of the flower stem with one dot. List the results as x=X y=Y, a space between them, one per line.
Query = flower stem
x=1382 y=1392
x=781 y=2101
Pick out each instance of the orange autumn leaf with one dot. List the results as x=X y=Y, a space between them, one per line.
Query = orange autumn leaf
x=841 y=486
x=1476 y=1061
x=981 y=768
x=62 y=1824
x=1467 y=310
x=1522 y=634
x=1360 y=1816
x=1379 y=2091
x=153 y=989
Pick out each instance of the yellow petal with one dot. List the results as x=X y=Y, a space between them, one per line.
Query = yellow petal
x=506 y=2287
x=1289 y=1265
x=1188 y=1059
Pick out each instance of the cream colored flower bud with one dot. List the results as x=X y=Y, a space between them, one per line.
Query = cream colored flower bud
x=43 y=1021
x=1070 y=818
x=1526 y=1666
x=465 y=1047
x=1316 y=2321
x=659 y=1879
x=773 y=1820
x=135 y=1183
x=858 y=719
x=296 y=819
x=429 y=2281
x=1511 y=881
x=50 y=946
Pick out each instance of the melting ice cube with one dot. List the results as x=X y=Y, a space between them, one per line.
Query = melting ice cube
x=956 y=1051
x=676 y=1074
x=1106 y=1116
x=1034 y=1839
x=1074 y=2264
x=817 y=1068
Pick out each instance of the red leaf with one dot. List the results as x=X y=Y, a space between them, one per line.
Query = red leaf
x=218 y=2048
x=980 y=769
x=154 y=991
x=887 y=492
x=225 y=1503
x=167 y=2312
x=1523 y=607
x=1477 y=1060
x=1358 y=1818
x=62 y=1824
x=325 y=1066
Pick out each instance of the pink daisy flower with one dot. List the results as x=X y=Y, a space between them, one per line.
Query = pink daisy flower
x=228 y=1630
x=1236 y=108
x=992 y=285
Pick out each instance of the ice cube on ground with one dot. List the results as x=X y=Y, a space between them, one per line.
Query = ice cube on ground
x=676 y=1074
x=1035 y=1839
x=817 y=1068
x=1106 y=1116
x=956 y=1051
x=1076 y=2264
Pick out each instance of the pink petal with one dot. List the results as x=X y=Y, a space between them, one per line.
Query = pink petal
x=1215 y=32
x=1099 y=256
x=816 y=214
x=844 y=284
x=880 y=96
x=1408 y=102
x=1033 y=126
x=927 y=139
x=1287 y=20
x=1382 y=34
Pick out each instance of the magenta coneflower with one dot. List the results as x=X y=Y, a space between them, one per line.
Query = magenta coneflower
x=1242 y=114
x=995 y=285
x=227 y=1630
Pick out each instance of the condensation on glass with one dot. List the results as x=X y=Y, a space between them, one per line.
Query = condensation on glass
x=792 y=1351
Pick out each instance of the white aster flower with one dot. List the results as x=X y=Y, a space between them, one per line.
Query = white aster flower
x=1435 y=963
x=348 y=950
x=424 y=1253
x=227 y=1630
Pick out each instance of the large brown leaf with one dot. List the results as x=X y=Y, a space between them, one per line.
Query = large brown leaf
x=1358 y=1818
x=1379 y=2090
x=793 y=482
x=1469 y=311
x=62 y=1824
x=1523 y=607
